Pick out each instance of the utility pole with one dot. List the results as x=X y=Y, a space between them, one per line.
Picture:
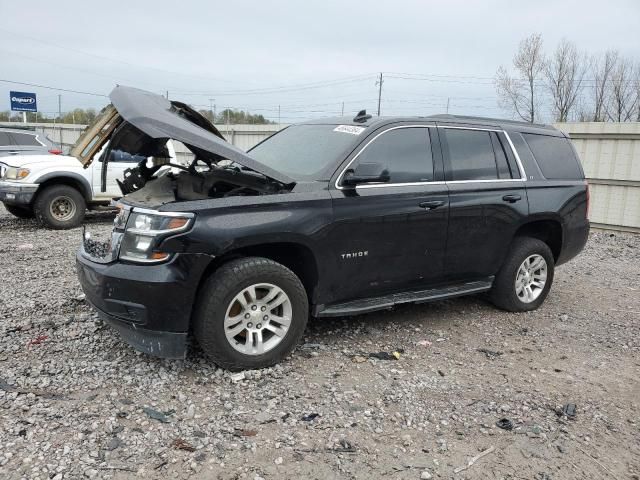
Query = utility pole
x=379 y=83
x=167 y=94
x=448 y=104
x=211 y=110
x=342 y=114
x=60 y=117
x=278 y=117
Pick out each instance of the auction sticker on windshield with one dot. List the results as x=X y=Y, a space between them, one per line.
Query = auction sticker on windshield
x=353 y=130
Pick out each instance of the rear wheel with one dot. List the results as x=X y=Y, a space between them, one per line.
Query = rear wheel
x=60 y=207
x=20 y=212
x=523 y=282
x=251 y=313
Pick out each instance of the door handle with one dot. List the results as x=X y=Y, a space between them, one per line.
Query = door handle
x=430 y=205
x=511 y=198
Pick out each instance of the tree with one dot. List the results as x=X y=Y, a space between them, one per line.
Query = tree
x=520 y=93
x=622 y=92
x=231 y=116
x=602 y=70
x=564 y=73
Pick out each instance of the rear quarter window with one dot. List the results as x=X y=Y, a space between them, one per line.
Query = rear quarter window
x=555 y=157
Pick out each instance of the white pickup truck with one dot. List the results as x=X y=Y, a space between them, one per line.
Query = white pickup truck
x=57 y=189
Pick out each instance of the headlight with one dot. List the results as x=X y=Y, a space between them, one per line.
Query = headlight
x=14 y=173
x=144 y=232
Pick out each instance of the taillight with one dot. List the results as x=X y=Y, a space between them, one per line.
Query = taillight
x=55 y=151
x=588 y=198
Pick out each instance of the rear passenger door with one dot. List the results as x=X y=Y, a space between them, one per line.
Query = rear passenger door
x=487 y=199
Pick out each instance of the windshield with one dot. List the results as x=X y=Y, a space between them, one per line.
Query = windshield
x=304 y=152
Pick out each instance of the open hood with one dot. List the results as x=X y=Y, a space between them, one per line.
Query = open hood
x=142 y=122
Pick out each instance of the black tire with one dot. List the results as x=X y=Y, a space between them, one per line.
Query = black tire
x=216 y=296
x=503 y=293
x=47 y=200
x=20 y=212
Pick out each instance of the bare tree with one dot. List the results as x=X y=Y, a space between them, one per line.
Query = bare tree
x=602 y=67
x=564 y=73
x=622 y=92
x=520 y=93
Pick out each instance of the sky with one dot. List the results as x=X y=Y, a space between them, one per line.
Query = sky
x=293 y=60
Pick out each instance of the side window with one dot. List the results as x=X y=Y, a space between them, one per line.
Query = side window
x=5 y=141
x=471 y=155
x=555 y=156
x=25 y=139
x=406 y=152
x=122 y=156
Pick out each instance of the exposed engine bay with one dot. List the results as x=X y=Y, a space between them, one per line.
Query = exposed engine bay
x=139 y=124
x=143 y=187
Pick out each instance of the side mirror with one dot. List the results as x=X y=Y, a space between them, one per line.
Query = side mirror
x=366 y=173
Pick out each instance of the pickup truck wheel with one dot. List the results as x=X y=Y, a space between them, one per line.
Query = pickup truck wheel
x=251 y=313
x=20 y=212
x=523 y=282
x=60 y=207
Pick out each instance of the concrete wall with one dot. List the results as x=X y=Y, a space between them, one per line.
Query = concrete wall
x=610 y=154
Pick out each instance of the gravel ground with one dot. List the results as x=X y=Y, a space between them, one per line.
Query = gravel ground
x=76 y=402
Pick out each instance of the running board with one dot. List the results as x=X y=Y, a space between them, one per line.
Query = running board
x=367 y=305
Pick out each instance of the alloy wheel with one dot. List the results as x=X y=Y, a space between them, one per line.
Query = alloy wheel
x=531 y=278
x=258 y=318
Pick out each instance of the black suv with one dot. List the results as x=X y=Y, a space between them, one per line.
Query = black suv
x=331 y=217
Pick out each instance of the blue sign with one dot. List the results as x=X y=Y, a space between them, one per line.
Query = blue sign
x=23 y=102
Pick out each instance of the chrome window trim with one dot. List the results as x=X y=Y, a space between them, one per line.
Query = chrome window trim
x=523 y=175
x=378 y=185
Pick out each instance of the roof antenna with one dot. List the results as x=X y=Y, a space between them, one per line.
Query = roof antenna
x=361 y=117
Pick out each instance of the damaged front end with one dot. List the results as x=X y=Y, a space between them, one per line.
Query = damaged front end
x=141 y=123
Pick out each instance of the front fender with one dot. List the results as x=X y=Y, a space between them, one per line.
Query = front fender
x=80 y=179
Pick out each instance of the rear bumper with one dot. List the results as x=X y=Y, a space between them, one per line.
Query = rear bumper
x=17 y=193
x=149 y=305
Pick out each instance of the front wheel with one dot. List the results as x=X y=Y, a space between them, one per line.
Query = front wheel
x=251 y=313
x=523 y=282
x=60 y=207
x=20 y=212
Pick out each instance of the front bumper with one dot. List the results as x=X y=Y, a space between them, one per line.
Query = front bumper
x=17 y=193
x=149 y=305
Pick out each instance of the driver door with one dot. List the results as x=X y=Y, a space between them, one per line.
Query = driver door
x=391 y=236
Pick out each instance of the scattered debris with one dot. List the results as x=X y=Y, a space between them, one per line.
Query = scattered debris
x=25 y=246
x=395 y=355
x=310 y=417
x=441 y=373
x=181 y=444
x=425 y=475
x=241 y=432
x=237 y=377
x=38 y=340
x=424 y=343
x=278 y=461
x=474 y=459
x=491 y=354
x=156 y=415
x=358 y=359
x=505 y=424
x=570 y=411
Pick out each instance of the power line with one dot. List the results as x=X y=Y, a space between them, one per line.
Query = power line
x=54 y=88
x=101 y=57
